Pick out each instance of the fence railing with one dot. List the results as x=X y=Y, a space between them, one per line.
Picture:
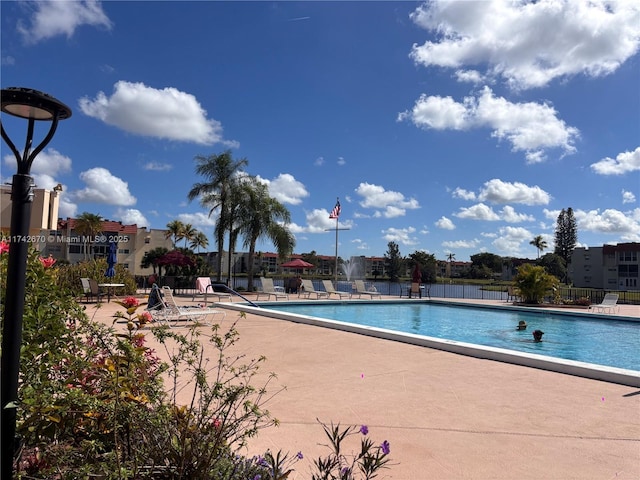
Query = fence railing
x=186 y=285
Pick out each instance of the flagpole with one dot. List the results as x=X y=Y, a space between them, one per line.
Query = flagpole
x=335 y=213
x=336 y=269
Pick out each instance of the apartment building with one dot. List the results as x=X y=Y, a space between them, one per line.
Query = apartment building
x=610 y=267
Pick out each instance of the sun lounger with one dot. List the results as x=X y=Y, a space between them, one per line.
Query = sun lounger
x=609 y=304
x=163 y=308
x=204 y=288
x=328 y=286
x=269 y=290
x=308 y=289
x=362 y=290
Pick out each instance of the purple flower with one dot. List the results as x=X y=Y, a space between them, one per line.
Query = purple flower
x=364 y=429
x=299 y=456
x=385 y=448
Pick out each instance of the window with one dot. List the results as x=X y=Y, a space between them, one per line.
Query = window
x=147 y=240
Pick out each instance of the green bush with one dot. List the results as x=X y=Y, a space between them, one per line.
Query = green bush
x=69 y=275
x=533 y=283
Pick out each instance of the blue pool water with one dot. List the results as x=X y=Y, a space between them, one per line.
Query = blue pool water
x=613 y=343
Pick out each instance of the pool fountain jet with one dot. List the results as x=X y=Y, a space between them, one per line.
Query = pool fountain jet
x=353 y=268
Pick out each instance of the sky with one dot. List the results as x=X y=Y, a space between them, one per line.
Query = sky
x=445 y=127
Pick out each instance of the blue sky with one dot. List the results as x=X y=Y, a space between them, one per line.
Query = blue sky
x=448 y=127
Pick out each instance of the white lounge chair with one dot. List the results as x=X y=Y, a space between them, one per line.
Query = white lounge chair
x=328 y=286
x=204 y=288
x=269 y=290
x=308 y=289
x=609 y=304
x=163 y=308
x=362 y=290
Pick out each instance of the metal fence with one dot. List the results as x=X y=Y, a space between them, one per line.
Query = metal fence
x=186 y=285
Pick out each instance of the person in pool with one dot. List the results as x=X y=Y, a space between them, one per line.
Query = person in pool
x=537 y=335
x=522 y=325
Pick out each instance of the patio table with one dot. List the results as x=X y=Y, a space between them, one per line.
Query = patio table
x=110 y=288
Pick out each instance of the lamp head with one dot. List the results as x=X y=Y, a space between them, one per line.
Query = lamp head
x=32 y=104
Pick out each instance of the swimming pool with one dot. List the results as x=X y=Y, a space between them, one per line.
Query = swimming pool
x=599 y=341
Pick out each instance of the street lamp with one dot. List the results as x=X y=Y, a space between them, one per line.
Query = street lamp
x=31 y=105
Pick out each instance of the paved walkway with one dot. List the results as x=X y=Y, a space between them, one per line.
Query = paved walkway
x=446 y=416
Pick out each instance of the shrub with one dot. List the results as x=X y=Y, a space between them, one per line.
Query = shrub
x=533 y=283
x=69 y=275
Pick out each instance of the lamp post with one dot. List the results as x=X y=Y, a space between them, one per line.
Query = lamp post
x=31 y=105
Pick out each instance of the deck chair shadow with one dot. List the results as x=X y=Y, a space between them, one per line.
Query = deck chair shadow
x=609 y=304
x=269 y=290
x=362 y=290
x=308 y=289
x=328 y=286
x=204 y=288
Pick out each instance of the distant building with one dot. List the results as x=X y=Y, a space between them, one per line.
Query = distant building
x=610 y=267
x=44 y=210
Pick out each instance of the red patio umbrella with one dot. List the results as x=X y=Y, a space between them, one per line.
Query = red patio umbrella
x=297 y=263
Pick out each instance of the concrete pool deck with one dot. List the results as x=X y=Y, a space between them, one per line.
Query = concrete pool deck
x=446 y=416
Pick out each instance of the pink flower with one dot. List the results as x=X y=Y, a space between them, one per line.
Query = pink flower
x=47 y=262
x=4 y=246
x=130 y=302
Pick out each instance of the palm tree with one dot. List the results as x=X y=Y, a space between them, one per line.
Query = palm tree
x=539 y=243
x=175 y=229
x=262 y=216
x=199 y=241
x=88 y=225
x=451 y=257
x=220 y=173
x=188 y=233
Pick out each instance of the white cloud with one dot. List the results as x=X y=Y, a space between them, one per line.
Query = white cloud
x=49 y=19
x=510 y=239
x=628 y=197
x=460 y=244
x=318 y=221
x=626 y=224
x=341 y=161
x=530 y=127
x=286 y=189
x=157 y=166
x=161 y=113
x=387 y=203
x=199 y=220
x=318 y=162
x=104 y=187
x=464 y=194
x=591 y=38
x=625 y=162
x=479 y=211
x=445 y=224
x=403 y=236
x=131 y=216
x=497 y=191
x=48 y=162
x=510 y=215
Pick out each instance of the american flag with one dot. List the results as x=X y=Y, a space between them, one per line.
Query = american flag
x=335 y=213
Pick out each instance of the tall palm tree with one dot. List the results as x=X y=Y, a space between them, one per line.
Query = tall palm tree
x=175 y=231
x=539 y=243
x=199 y=241
x=451 y=257
x=188 y=233
x=220 y=172
x=89 y=226
x=262 y=216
